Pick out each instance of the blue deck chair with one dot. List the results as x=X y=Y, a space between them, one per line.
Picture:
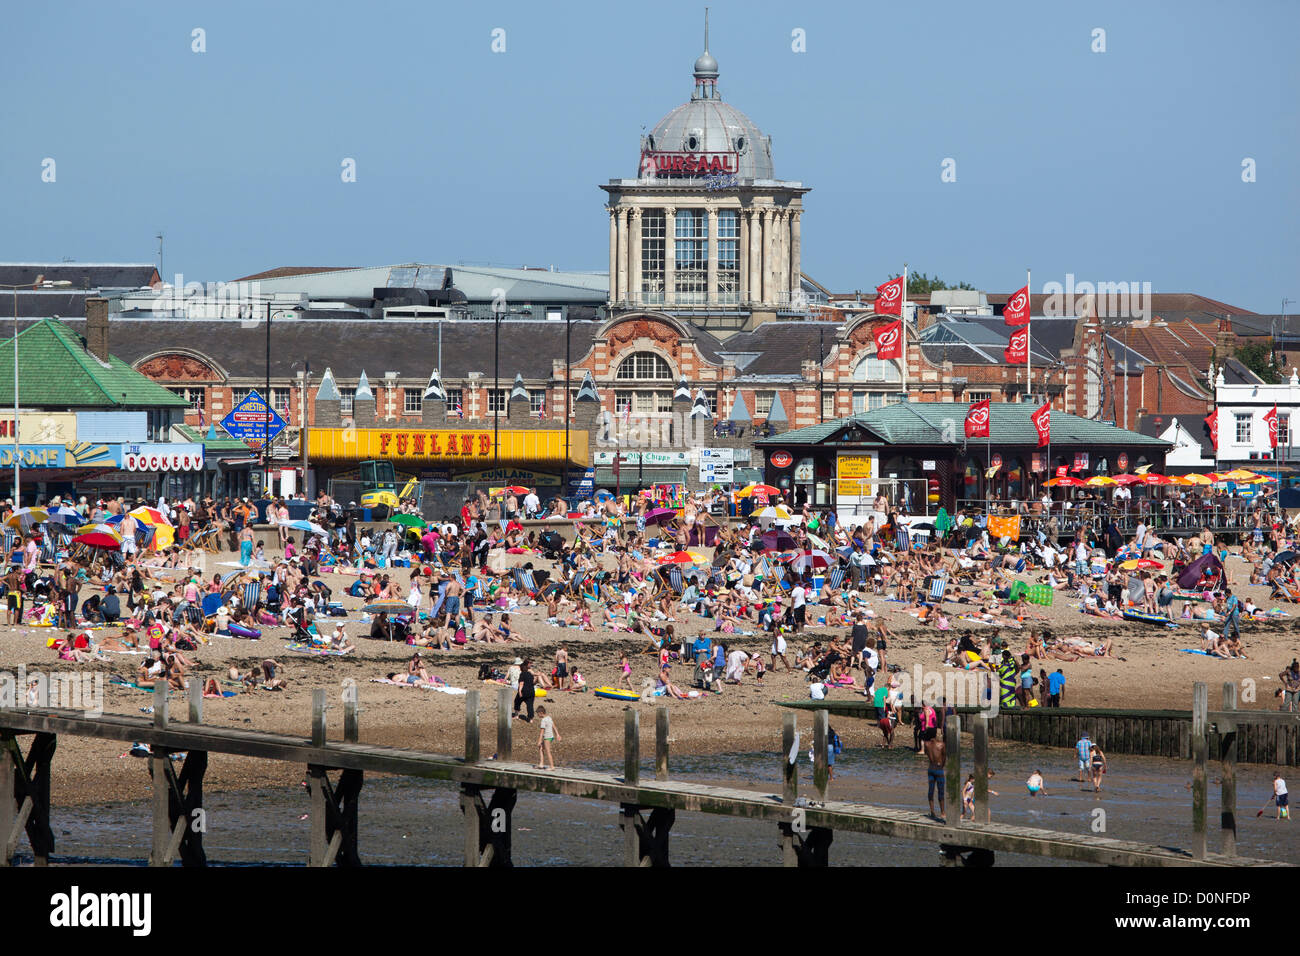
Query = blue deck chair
x=211 y=602
x=524 y=581
x=675 y=580
x=252 y=594
x=938 y=587
x=902 y=540
x=836 y=577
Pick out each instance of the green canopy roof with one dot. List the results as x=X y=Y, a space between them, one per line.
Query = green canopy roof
x=221 y=442
x=943 y=423
x=56 y=371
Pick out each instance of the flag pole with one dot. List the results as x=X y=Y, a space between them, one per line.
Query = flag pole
x=902 y=316
x=1029 y=339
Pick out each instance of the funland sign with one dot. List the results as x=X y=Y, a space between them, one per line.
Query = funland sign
x=658 y=163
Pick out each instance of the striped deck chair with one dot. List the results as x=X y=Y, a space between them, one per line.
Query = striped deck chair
x=252 y=594
x=938 y=587
x=675 y=580
x=49 y=549
x=835 y=578
x=902 y=539
x=11 y=540
x=191 y=613
x=577 y=582
x=524 y=581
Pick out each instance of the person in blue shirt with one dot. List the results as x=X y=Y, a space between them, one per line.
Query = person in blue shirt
x=1232 y=620
x=1055 y=688
x=1084 y=749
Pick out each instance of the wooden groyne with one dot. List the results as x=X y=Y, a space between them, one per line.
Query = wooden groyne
x=1264 y=736
x=489 y=789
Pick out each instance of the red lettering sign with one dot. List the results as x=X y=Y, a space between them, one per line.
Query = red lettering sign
x=484 y=445
x=402 y=438
x=467 y=445
x=417 y=443
x=384 y=439
x=433 y=444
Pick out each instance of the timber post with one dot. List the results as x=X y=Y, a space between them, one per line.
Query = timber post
x=980 y=750
x=661 y=743
x=821 y=766
x=351 y=712
x=952 y=769
x=471 y=727
x=631 y=746
x=1228 y=792
x=505 y=743
x=789 y=786
x=487 y=825
x=1200 y=747
x=318 y=736
x=158 y=760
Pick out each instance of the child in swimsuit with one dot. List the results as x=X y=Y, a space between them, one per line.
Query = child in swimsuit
x=1034 y=784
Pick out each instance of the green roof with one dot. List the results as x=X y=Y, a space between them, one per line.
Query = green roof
x=223 y=441
x=56 y=371
x=943 y=423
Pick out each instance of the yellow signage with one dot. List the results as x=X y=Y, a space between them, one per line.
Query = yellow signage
x=853 y=475
x=462 y=446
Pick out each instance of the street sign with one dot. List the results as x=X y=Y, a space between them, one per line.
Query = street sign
x=252 y=421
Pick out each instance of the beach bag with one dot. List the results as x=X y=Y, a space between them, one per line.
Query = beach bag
x=460 y=636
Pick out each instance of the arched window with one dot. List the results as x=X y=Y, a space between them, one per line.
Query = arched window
x=872 y=369
x=644 y=366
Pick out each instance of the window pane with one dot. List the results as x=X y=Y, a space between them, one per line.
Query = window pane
x=497 y=400
x=536 y=399
x=762 y=403
x=412 y=400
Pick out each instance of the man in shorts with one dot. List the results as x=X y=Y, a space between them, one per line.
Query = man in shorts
x=1291 y=687
x=1084 y=750
x=14 y=595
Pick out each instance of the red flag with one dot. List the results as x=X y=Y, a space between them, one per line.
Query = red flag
x=1017 y=350
x=889 y=341
x=1270 y=419
x=1016 y=311
x=977 y=419
x=1043 y=422
x=889 y=297
x=1212 y=420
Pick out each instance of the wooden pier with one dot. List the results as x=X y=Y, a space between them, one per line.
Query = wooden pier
x=489 y=789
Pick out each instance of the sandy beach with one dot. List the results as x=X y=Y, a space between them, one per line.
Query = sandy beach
x=1151 y=673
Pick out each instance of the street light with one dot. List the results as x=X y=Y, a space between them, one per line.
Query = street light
x=37 y=283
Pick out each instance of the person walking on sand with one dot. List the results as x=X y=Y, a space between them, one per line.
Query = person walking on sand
x=1280 y=797
x=624 y=672
x=1084 y=749
x=1098 y=761
x=937 y=754
x=547 y=735
x=562 y=668
x=527 y=689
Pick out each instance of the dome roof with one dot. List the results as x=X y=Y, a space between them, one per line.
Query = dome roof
x=708 y=126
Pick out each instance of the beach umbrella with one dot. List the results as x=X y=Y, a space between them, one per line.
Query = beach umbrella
x=1284 y=557
x=1156 y=479
x=27 y=518
x=1257 y=480
x=1237 y=474
x=1099 y=481
x=1196 y=479
x=660 y=515
x=702 y=560
x=150 y=516
x=1065 y=481
x=65 y=516
x=409 y=521
x=388 y=607
x=757 y=489
x=677 y=557
x=821 y=542
x=99 y=537
x=773 y=513
x=810 y=558
x=775 y=540
x=1138 y=564
x=1128 y=479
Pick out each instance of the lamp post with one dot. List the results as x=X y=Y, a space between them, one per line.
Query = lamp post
x=37 y=283
x=496 y=388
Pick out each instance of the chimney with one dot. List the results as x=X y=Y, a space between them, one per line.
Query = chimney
x=97 y=327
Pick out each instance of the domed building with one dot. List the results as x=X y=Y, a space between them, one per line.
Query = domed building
x=706 y=231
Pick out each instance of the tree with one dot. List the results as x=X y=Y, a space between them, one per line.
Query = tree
x=918 y=283
x=1260 y=358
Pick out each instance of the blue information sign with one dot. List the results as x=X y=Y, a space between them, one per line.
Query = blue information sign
x=252 y=421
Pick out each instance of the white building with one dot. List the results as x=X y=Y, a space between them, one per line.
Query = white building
x=1243 y=432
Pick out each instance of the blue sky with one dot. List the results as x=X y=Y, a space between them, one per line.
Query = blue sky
x=1122 y=165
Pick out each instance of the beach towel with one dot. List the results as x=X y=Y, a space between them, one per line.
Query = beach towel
x=446 y=690
x=1192 y=650
x=1004 y=527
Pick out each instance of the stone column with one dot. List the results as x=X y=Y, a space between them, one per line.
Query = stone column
x=670 y=255
x=796 y=265
x=613 y=254
x=634 y=253
x=742 y=253
x=764 y=254
x=778 y=256
x=622 y=255
x=711 y=295
x=755 y=290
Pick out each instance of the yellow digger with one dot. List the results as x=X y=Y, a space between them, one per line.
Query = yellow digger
x=379 y=488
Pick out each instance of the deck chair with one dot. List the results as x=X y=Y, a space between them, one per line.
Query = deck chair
x=835 y=578
x=252 y=595
x=902 y=540
x=938 y=587
x=675 y=580
x=523 y=578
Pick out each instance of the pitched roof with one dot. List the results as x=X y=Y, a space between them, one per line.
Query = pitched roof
x=779 y=348
x=56 y=371
x=82 y=275
x=940 y=423
x=281 y=272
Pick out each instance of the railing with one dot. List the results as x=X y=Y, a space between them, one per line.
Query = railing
x=1233 y=516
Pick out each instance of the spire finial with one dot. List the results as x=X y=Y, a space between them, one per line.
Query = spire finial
x=706 y=29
